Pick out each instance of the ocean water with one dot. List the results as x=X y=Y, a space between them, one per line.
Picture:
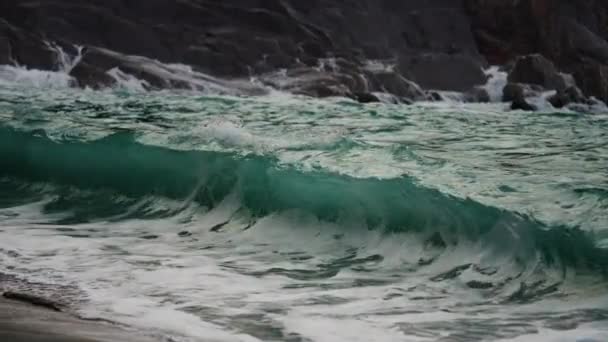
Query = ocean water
x=200 y=217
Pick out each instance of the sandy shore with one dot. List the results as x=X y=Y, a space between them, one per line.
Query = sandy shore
x=21 y=322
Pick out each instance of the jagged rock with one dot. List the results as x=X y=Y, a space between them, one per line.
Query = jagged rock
x=516 y=94
x=567 y=96
x=522 y=104
x=441 y=71
x=396 y=84
x=593 y=80
x=438 y=44
x=88 y=75
x=513 y=91
x=366 y=97
x=24 y=48
x=537 y=70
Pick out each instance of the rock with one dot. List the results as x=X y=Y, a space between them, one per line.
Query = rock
x=396 y=84
x=443 y=71
x=6 y=55
x=437 y=44
x=478 y=95
x=24 y=48
x=513 y=91
x=567 y=96
x=537 y=70
x=593 y=80
x=522 y=104
x=366 y=97
x=434 y=96
x=88 y=75
x=32 y=299
x=516 y=94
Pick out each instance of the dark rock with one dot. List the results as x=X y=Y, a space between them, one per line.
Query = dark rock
x=513 y=91
x=516 y=94
x=536 y=69
x=434 y=96
x=593 y=80
x=438 y=44
x=522 y=104
x=566 y=97
x=441 y=71
x=396 y=84
x=32 y=299
x=6 y=54
x=366 y=97
x=477 y=94
x=88 y=75
x=184 y=234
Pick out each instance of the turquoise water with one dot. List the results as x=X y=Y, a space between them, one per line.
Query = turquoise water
x=288 y=218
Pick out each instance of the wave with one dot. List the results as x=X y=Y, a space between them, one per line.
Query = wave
x=117 y=171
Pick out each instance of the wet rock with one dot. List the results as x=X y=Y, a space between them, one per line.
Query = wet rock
x=396 y=84
x=438 y=44
x=567 y=96
x=516 y=94
x=440 y=71
x=434 y=96
x=32 y=299
x=537 y=70
x=514 y=91
x=593 y=80
x=477 y=94
x=522 y=104
x=24 y=48
x=366 y=97
x=91 y=76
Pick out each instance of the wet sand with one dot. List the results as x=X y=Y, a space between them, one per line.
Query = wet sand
x=22 y=322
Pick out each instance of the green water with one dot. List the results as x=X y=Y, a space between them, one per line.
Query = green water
x=433 y=207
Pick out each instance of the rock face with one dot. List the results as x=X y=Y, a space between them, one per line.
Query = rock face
x=438 y=44
x=537 y=70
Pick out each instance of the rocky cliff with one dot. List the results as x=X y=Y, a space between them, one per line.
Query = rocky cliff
x=317 y=47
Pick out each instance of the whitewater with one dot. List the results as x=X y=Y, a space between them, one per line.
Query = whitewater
x=196 y=216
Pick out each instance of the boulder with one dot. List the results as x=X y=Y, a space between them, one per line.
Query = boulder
x=537 y=70
x=516 y=94
x=366 y=97
x=513 y=91
x=567 y=96
x=522 y=104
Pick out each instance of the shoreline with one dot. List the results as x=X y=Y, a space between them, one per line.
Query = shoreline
x=23 y=322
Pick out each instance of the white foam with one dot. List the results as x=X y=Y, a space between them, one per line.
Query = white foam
x=497 y=80
x=127 y=81
x=20 y=76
